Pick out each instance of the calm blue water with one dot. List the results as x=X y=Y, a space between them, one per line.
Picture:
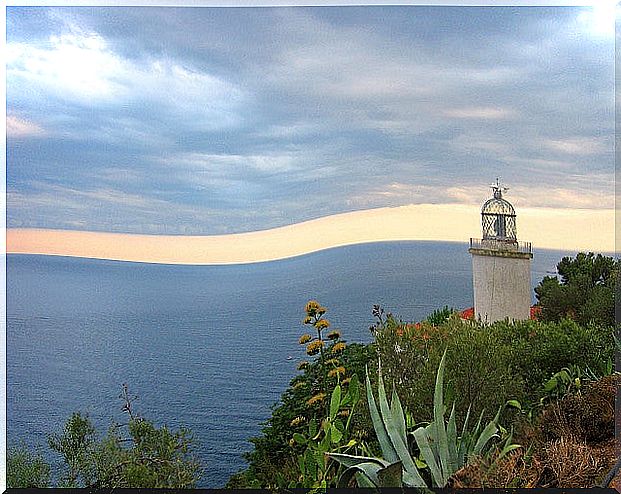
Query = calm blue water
x=202 y=346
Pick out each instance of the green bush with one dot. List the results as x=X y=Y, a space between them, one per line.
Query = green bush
x=134 y=455
x=272 y=462
x=25 y=469
x=491 y=363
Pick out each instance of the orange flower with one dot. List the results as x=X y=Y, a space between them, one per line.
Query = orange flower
x=316 y=399
x=338 y=347
x=322 y=324
x=313 y=347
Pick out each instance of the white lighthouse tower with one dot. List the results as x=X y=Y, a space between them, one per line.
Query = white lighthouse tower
x=500 y=264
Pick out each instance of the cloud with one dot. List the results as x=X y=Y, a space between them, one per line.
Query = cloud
x=485 y=113
x=576 y=145
x=242 y=119
x=79 y=68
x=19 y=127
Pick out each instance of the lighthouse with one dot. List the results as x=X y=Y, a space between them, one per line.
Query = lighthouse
x=500 y=264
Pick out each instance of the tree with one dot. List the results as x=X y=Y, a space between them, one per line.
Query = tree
x=133 y=455
x=585 y=291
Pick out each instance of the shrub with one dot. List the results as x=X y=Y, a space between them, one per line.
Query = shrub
x=25 y=469
x=135 y=455
x=491 y=363
x=442 y=449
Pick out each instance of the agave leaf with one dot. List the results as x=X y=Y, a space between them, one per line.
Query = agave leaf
x=369 y=470
x=398 y=442
x=391 y=476
x=364 y=482
x=383 y=400
x=507 y=449
x=352 y=460
x=400 y=445
x=464 y=440
x=380 y=430
x=451 y=436
x=396 y=410
x=489 y=432
x=421 y=435
x=410 y=480
x=465 y=427
x=335 y=401
x=438 y=418
x=477 y=429
x=345 y=477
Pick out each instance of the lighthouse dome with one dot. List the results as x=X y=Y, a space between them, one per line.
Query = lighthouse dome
x=498 y=218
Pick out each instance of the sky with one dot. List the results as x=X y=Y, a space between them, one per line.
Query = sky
x=212 y=121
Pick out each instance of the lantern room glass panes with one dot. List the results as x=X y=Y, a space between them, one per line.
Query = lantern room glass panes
x=498 y=219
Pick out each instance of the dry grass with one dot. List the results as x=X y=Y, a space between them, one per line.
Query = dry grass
x=573 y=446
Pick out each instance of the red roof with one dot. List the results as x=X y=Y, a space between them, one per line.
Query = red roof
x=535 y=310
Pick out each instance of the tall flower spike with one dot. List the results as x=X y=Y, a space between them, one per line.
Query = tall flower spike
x=322 y=324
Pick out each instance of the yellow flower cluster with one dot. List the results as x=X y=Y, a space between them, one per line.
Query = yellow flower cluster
x=334 y=372
x=302 y=365
x=297 y=421
x=316 y=399
x=332 y=361
x=314 y=309
x=313 y=347
x=338 y=347
x=344 y=413
x=346 y=381
x=305 y=338
x=322 y=324
x=299 y=385
x=334 y=335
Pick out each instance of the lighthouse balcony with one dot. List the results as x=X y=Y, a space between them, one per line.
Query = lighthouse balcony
x=501 y=247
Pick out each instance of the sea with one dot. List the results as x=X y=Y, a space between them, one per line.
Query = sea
x=210 y=348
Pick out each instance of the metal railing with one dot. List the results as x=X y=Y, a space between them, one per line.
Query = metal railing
x=491 y=244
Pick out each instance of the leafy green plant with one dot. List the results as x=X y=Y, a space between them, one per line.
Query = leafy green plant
x=331 y=435
x=25 y=469
x=567 y=380
x=135 y=455
x=440 y=316
x=442 y=451
x=273 y=463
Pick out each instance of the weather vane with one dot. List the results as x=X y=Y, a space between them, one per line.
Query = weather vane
x=498 y=190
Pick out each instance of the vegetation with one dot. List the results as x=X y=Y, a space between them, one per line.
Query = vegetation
x=528 y=365
x=440 y=448
x=550 y=382
x=25 y=469
x=136 y=454
x=585 y=292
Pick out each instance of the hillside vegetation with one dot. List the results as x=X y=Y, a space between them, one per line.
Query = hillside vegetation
x=444 y=402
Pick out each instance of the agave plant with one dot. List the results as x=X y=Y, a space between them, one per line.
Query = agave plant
x=441 y=449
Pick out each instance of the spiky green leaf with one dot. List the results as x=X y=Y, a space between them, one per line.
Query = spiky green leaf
x=388 y=451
